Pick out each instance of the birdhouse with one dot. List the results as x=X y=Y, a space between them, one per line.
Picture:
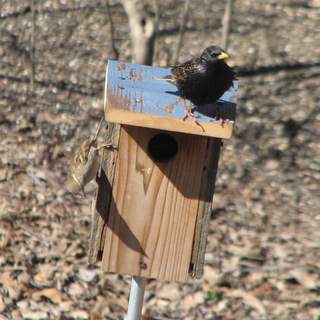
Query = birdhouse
x=155 y=190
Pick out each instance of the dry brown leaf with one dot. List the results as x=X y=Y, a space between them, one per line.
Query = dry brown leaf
x=306 y=278
x=5 y=236
x=263 y=289
x=79 y=314
x=44 y=276
x=2 y=304
x=168 y=291
x=87 y=275
x=248 y=299
x=192 y=300
x=53 y=294
x=100 y=309
x=10 y=285
x=76 y=290
x=34 y=315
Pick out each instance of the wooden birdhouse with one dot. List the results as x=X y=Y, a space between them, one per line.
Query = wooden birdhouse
x=155 y=190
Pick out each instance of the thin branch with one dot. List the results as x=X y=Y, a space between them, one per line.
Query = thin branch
x=157 y=11
x=32 y=46
x=183 y=23
x=275 y=68
x=27 y=10
x=226 y=24
x=60 y=85
x=115 y=51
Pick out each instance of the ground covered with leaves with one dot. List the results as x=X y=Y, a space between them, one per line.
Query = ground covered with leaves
x=263 y=252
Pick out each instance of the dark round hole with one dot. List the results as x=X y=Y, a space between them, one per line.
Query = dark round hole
x=162 y=147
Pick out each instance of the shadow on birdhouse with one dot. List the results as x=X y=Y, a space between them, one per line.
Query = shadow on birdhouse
x=154 y=198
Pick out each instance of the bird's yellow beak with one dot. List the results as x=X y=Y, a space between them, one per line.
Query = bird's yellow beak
x=223 y=56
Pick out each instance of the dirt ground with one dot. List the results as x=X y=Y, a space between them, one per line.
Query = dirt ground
x=263 y=253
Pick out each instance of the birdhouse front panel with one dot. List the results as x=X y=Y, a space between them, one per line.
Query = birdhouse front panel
x=154 y=206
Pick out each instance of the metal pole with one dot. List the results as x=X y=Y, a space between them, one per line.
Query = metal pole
x=136 y=298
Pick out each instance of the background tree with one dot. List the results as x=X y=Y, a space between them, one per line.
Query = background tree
x=143 y=28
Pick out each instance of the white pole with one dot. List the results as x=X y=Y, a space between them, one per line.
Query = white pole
x=136 y=298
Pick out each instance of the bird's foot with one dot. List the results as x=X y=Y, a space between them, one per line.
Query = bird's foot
x=190 y=115
x=224 y=121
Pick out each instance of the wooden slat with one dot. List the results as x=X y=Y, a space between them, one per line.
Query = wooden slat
x=205 y=207
x=101 y=202
x=217 y=129
x=151 y=222
x=135 y=96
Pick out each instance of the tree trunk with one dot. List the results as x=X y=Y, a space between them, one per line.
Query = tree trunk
x=142 y=30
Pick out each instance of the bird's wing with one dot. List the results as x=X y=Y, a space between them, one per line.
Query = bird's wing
x=182 y=71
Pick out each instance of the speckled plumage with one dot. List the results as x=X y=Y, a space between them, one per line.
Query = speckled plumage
x=204 y=79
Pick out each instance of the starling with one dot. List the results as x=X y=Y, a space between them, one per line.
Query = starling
x=204 y=79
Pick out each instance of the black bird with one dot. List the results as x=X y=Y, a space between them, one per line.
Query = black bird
x=204 y=79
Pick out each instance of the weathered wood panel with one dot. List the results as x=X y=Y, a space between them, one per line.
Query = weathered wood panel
x=153 y=212
x=101 y=202
x=210 y=167
x=137 y=97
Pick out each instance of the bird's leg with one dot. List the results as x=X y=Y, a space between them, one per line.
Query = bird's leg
x=189 y=114
x=188 y=110
x=220 y=116
x=224 y=121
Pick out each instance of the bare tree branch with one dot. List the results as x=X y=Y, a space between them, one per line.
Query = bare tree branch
x=27 y=10
x=183 y=23
x=60 y=85
x=114 y=49
x=142 y=30
x=16 y=49
x=226 y=23
x=32 y=45
x=157 y=11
